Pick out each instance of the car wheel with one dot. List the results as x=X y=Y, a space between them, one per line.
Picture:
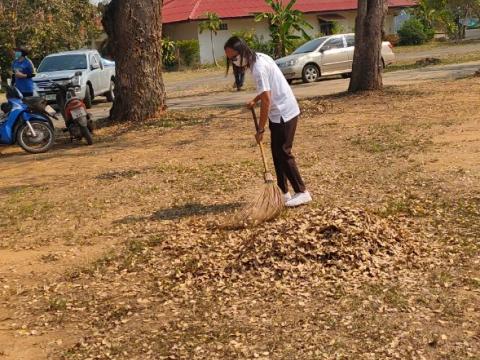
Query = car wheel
x=311 y=73
x=88 y=97
x=111 y=94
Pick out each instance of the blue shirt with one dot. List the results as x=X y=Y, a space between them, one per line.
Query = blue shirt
x=25 y=67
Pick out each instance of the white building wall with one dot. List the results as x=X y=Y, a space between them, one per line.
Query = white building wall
x=261 y=30
x=189 y=30
x=181 y=31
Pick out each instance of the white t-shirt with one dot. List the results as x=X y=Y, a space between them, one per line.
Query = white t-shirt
x=269 y=77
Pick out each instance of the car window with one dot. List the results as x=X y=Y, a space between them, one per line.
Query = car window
x=93 y=61
x=350 y=40
x=63 y=62
x=99 y=61
x=335 y=43
x=310 y=46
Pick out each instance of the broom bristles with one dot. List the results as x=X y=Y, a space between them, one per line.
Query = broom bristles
x=266 y=206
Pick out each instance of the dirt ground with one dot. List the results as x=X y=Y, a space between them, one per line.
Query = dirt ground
x=115 y=252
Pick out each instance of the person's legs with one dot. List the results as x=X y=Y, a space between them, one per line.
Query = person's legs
x=277 y=140
x=289 y=164
x=241 y=76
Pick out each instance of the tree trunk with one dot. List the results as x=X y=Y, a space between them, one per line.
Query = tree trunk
x=367 y=63
x=213 y=49
x=134 y=29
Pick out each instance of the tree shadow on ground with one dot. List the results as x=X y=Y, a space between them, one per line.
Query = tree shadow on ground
x=183 y=211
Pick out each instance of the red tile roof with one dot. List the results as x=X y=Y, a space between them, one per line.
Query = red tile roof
x=185 y=10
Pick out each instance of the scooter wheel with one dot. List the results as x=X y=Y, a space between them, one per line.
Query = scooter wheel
x=87 y=134
x=39 y=141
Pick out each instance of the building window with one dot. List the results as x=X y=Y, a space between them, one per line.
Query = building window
x=223 y=26
x=326 y=27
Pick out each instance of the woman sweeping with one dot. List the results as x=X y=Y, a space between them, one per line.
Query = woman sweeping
x=278 y=106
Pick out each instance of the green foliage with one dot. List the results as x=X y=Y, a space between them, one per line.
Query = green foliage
x=189 y=52
x=283 y=22
x=45 y=26
x=180 y=53
x=211 y=23
x=168 y=53
x=256 y=43
x=249 y=36
x=412 y=32
x=445 y=15
x=337 y=28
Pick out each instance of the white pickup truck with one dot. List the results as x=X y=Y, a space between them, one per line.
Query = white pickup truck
x=98 y=75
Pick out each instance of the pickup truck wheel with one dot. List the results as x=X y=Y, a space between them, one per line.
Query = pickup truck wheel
x=110 y=94
x=88 y=98
x=311 y=73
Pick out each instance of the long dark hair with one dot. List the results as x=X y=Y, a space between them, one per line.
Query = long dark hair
x=240 y=46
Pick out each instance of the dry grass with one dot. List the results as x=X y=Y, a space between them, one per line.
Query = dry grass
x=128 y=262
x=433 y=45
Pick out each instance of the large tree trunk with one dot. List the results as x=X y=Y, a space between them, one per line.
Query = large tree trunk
x=134 y=29
x=367 y=63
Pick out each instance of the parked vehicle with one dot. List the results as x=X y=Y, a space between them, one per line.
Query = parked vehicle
x=324 y=56
x=73 y=110
x=97 y=79
x=25 y=121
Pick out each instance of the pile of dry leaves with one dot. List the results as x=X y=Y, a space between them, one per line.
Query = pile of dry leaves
x=316 y=243
x=342 y=238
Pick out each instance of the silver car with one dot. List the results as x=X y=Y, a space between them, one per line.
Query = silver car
x=328 y=55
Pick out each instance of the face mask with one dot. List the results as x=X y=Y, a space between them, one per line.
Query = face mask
x=237 y=61
x=18 y=55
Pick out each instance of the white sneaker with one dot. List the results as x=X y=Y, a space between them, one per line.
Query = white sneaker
x=287 y=197
x=299 y=199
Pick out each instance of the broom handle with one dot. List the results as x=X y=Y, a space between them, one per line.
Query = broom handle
x=260 y=143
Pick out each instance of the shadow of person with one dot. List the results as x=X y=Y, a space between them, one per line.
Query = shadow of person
x=192 y=209
x=183 y=211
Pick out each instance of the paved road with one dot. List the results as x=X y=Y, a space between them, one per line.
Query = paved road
x=324 y=87
x=332 y=86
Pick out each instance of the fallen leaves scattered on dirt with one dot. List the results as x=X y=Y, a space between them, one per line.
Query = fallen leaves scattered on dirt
x=175 y=262
x=332 y=280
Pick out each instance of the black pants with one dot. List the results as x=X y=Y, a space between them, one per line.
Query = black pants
x=283 y=159
x=239 y=74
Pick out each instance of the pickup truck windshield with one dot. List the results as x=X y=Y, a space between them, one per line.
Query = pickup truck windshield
x=310 y=46
x=63 y=62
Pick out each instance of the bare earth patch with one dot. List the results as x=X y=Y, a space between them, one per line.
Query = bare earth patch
x=113 y=252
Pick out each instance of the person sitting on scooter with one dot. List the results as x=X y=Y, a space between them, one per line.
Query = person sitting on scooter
x=23 y=72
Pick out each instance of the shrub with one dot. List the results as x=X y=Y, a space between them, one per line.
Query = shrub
x=247 y=35
x=168 y=53
x=413 y=32
x=189 y=52
x=337 y=28
x=180 y=53
x=256 y=43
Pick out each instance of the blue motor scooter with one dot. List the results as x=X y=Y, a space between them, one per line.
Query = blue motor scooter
x=25 y=121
